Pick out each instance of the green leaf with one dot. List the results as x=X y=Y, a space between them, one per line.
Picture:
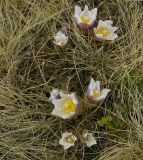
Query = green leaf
x=106 y=122
x=109 y=118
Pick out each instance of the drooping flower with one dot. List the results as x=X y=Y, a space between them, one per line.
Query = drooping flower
x=94 y=93
x=89 y=139
x=67 y=140
x=105 y=31
x=55 y=94
x=61 y=39
x=66 y=106
x=85 y=18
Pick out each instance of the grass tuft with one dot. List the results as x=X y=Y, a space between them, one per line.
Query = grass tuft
x=30 y=66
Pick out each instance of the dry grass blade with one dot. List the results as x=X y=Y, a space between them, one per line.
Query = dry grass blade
x=30 y=66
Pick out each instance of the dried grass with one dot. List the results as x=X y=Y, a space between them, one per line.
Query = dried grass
x=30 y=66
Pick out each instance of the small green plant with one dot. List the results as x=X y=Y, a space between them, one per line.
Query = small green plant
x=106 y=122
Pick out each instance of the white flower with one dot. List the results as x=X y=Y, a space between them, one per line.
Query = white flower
x=88 y=139
x=85 y=18
x=55 y=94
x=105 y=31
x=66 y=106
x=94 y=93
x=67 y=140
x=61 y=39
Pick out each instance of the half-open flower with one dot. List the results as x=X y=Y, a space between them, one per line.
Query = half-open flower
x=89 y=139
x=85 y=18
x=105 y=31
x=55 y=94
x=67 y=140
x=94 y=93
x=66 y=106
x=61 y=39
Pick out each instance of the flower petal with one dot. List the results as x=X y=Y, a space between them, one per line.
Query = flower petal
x=111 y=29
x=85 y=12
x=63 y=142
x=76 y=20
x=75 y=99
x=101 y=24
x=112 y=37
x=59 y=110
x=94 y=11
x=67 y=116
x=97 y=86
x=108 y=22
x=83 y=26
x=55 y=94
x=92 y=83
x=60 y=39
x=104 y=93
x=91 y=142
x=93 y=86
x=60 y=113
x=94 y=15
x=59 y=35
x=91 y=99
x=77 y=11
x=67 y=96
x=58 y=103
x=70 y=96
x=100 y=38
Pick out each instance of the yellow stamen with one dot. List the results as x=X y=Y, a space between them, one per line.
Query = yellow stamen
x=69 y=106
x=69 y=139
x=95 y=94
x=87 y=138
x=103 y=31
x=61 y=42
x=84 y=20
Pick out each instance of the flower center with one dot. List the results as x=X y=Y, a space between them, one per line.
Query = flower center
x=69 y=106
x=87 y=138
x=69 y=139
x=103 y=31
x=84 y=20
x=62 y=41
x=95 y=94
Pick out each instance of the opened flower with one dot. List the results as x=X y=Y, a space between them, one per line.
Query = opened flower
x=55 y=94
x=67 y=140
x=66 y=106
x=94 y=93
x=105 y=31
x=61 y=39
x=88 y=139
x=85 y=18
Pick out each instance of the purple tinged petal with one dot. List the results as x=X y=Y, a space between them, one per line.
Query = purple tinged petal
x=82 y=25
x=103 y=96
x=92 y=100
x=89 y=97
x=100 y=38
